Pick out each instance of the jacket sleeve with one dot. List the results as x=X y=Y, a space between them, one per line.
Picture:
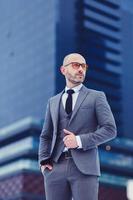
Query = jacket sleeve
x=106 y=125
x=46 y=138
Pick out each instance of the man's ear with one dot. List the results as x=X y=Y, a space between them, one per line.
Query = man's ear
x=62 y=69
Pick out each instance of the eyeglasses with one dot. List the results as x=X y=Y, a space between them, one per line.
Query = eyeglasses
x=76 y=65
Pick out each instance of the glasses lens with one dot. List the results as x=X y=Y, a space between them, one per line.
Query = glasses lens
x=84 y=66
x=75 y=65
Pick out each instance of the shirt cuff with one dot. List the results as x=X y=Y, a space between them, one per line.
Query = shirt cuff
x=78 y=142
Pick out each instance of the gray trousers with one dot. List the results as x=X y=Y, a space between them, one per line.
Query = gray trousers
x=65 y=182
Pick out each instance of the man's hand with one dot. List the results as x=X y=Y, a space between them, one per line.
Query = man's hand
x=43 y=167
x=70 y=139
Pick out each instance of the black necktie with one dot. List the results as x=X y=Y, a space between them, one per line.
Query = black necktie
x=68 y=106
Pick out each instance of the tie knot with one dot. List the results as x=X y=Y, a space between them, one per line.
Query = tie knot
x=70 y=91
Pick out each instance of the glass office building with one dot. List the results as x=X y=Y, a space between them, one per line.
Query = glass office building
x=99 y=38
x=27 y=58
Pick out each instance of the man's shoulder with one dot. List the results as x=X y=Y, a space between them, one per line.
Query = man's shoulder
x=56 y=96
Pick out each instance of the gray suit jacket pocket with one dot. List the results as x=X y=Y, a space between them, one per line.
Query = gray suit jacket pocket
x=86 y=107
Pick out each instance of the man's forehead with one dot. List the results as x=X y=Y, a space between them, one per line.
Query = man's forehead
x=74 y=58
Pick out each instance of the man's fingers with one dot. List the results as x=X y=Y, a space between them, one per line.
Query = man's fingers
x=49 y=166
x=43 y=167
x=67 y=132
x=66 y=138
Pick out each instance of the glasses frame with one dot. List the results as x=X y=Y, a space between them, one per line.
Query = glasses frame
x=80 y=64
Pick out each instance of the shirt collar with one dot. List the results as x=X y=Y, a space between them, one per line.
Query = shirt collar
x=76 y=89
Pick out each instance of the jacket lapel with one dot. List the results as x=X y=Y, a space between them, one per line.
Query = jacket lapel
x=82 y=95
x=55 y=109
x=56 y=103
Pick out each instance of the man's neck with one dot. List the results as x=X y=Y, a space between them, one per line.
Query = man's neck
x=72 y=85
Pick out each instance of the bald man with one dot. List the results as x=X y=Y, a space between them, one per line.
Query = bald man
x=77 y=121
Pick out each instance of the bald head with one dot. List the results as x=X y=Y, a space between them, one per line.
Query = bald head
x=73 y=57
x=73 y=69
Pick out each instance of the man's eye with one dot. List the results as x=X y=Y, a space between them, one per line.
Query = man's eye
x=76 y=64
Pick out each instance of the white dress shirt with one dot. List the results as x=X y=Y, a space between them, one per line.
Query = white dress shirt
x=74 y=99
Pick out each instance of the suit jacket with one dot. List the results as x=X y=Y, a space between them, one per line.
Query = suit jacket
x=91 y=119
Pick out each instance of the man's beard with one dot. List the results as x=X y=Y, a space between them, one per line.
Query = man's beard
x=74 y=80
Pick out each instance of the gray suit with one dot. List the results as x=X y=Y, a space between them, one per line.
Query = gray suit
x=93 y=121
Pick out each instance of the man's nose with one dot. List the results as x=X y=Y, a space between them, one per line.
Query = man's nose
x=80 y=69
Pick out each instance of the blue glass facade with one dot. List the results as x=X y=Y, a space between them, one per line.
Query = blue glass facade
x=127 y=67
x=99 y=38
x=27 y=58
